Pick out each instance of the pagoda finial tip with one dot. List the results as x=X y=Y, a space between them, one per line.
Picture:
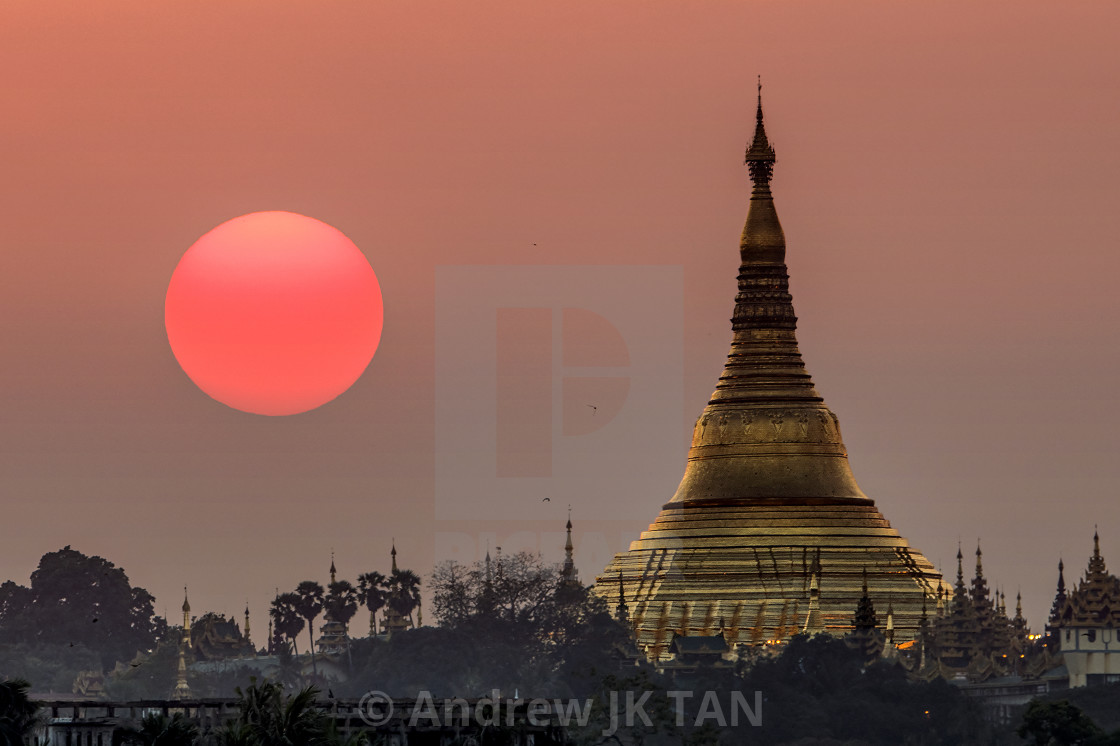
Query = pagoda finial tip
x=760 y=153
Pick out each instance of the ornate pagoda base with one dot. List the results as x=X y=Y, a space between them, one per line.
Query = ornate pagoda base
x=745 y=566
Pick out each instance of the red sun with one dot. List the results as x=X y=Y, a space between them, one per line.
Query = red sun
x=273 y=313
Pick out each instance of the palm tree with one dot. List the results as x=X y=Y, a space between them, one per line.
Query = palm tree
x=288 y=672
x=267 y=718
x=157 y=729
x=371 y=593
x=404 y=592
x=340 y=605
x=286 y=618
x=308 y=605
x=341 y=602
x=18 y=714
x=300 y=721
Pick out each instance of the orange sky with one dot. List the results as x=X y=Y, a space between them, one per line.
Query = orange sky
x=947 y=179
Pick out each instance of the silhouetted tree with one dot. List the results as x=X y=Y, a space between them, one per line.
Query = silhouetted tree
x=453 y=590
x=286 y=618
x=78 y=600
x=526 y=628
x=52 y=667
x=520 y=588
x=820 y=688
x=148 y=675
x=266 y=717
x=1058 y=724
x=17 y=712
x=371 y=594
x=341 y=602
x=157 y=729
x=308 y=605
x=523 y=585
x=403 y=592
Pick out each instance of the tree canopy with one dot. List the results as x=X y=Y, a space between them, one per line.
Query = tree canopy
x=18 y=714
x=76 y=600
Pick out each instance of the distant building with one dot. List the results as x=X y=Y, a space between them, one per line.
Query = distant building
x=215 y=637
x=967 y=637
x=1086 y=624
x=971 y=636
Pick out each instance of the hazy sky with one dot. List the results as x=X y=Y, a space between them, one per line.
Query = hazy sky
x=947 y=178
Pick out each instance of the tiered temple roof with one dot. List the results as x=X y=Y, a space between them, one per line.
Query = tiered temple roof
x=1095 y=602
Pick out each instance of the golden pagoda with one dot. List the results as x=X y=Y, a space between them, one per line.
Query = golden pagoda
x=768 y=528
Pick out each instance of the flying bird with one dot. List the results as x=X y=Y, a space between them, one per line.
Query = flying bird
x=547 y=500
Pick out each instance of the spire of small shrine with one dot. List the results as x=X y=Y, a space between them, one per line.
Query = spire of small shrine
x=622 y=612
x=1096 y=562
x=813 y=622
x=1060 y=594
x=568 y=571
x=865 y=617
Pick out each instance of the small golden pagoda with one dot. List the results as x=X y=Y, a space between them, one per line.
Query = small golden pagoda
x=768 y=528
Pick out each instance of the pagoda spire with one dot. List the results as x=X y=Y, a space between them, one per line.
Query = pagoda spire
x=766 y=432
x=1060 y=594
x=1096 y=562
x=960 y=568
x=981 y=595
x=622 y=612
x=766 y=447
x=333 y=571
x=247 y=638
x=186 y=614
x=865 y=617
x=760 y=157
x=813 y=623
x=182 y=690
x=961 y=597
x=568 y=572
x=393 y=554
